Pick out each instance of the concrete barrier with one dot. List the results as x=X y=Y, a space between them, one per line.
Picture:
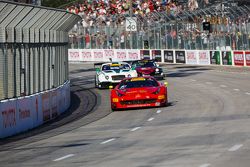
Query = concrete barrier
x=24 y=113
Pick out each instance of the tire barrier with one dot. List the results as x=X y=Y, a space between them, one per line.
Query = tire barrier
x=195 y=57
x=24 y=113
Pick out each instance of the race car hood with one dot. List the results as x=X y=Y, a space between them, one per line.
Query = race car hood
x=136 y=91
x=116 y=71
x=145 y=70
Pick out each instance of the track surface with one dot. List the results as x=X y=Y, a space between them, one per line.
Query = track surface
x=207 y=124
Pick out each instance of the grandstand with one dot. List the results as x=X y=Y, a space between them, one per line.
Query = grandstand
x=162 y=24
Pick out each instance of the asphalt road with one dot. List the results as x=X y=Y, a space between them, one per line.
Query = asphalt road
x=205 y=125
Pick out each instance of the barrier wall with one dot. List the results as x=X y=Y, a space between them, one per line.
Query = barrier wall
x=24 y=113
x=195 y=57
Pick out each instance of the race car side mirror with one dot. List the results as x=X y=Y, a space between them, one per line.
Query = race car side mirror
x=97 y=69
x=166 y=84
x=111 y=87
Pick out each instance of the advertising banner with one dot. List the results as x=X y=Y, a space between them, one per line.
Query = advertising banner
x=108 y=54
x=238 y=57
x=180 y=56
x=8 y=118
x=25 y=110
x=86 y=55
x=168 y=56
x=98 y=55
x=37 y=113
x=54 y=104
x=203 y=58
x=121 y=55
x=226 y=57
x=192 y=57
x=74 y=55
x=145 y=54
x=46 y=106
x=215 y=57
x=133 y=54
x=156 y=55
x=247 y=56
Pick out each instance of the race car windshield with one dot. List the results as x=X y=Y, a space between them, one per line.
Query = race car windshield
x=119 y=67
x=138 y=84
x=145 y=64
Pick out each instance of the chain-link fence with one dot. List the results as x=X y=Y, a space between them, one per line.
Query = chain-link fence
x=229 y=29
x=33 y=48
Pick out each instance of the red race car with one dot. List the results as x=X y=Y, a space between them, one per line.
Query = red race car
x=139 y=92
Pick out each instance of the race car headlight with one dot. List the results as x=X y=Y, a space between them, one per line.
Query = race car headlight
x=157 y=70
x=107 y=77
x=157 y=91
x=129 y=75
x=119 y=94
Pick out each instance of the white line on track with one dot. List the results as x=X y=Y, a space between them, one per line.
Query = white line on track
x=64 y=157
x=150 y=119
x=134 y=129
x=235 y=147
x=223 y=86
x=205 y=165
x=247 y=93
x=158 y=111
x=107 y=141
x=237 y=90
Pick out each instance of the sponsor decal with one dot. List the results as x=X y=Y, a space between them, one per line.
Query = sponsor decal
x=238 y=58
x=9 y=118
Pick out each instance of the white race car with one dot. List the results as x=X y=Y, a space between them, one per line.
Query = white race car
x=112 y=73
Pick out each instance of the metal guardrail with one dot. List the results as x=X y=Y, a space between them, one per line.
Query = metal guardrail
x=33 y=48
x=230 y=29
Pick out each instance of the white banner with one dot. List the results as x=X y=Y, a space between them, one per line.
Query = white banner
x=191 y=57
x=74 y=54
x=203 y=57
x=86 y=55
x=133 y=54
x=121 y=55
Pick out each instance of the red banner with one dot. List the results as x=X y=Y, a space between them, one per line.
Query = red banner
x=247 y=55
x=238 y=58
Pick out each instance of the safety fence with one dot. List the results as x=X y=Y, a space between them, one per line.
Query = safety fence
x=228 y=28
x=34 y=86
x=33 y=48
x=195 y=57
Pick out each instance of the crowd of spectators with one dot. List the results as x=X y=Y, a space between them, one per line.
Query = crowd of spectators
x=104 y=12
